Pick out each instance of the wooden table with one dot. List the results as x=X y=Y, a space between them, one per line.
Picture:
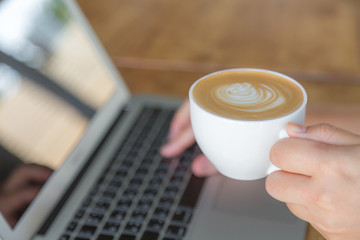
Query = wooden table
x=162 y=46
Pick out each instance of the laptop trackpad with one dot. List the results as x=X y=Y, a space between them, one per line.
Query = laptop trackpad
x=249 y=198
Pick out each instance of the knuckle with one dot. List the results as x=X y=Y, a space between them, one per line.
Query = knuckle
x=324 y=200
x=347 y=165
x=326 y=131
x=292 y=208
x=328 y=224
x=338 y=161
x=324 y=160
x=277 y=150
x=272 y=184
x=273 y=154
x=269 y=184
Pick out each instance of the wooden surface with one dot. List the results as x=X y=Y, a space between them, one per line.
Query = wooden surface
x=163 y=46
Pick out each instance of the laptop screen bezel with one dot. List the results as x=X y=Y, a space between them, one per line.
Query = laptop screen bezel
x=60 y=180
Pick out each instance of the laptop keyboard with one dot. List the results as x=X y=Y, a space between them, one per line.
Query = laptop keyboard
x=140 y=195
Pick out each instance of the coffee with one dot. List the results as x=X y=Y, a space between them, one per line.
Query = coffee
x=248 y=95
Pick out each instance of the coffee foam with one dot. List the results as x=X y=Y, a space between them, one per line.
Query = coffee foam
x=248 y=95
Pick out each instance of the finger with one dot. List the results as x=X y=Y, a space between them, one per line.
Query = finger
x=26 y=174
x=177 y=145
x=180 y=121
x=304 y=156
x=301 y=211
x=289 y=187
x=202 y=167
x=323 y=133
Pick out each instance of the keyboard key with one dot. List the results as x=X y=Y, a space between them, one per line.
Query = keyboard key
x=130 y=193
x=142 y=208
x=132 y=154
x=105 y=237
x=160 y=172
x=87 y=202
x=111 y=227
x=178 y=231
x=94 y=190
x=169 y=194
x=141 y=172
x=192 y=191
x=121 y=173
x=147 y=199
x=71 y=227
x=133 y=227
x=94 y=218
x=137 y=181
x=179 y=174
x=176 y=181
x=124 y=203
x=161 y=213
x=87 y=231
x=80 y=213
x=118 y=215
x=102 y=206
x=117 y=182
x=148 y=235
x=166 y=202
x=182 y=216
x=151 y=190
x=127 y=164
x=109 y=194
x=156 y=224
x=137 y=217
x=172 y=187
x=127 y=237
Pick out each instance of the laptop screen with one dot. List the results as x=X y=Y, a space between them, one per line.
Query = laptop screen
x=51 y=85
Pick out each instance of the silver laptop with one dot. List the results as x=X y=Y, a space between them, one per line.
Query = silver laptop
x=65 y=110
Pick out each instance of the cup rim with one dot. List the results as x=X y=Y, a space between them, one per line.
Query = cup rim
x=303 y=105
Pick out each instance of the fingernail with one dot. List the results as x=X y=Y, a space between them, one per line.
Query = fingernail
x=171 y=136
x=200 y=168
x=205 y=166
x=298 y=128
x=166 y=149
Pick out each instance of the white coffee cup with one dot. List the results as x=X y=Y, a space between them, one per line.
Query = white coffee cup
x=240 y=149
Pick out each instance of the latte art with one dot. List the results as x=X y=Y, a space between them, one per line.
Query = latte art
x=245 y=96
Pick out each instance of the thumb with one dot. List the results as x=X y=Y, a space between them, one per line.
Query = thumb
x=323 y=132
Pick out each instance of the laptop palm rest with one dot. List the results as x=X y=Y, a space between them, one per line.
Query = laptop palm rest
x=250 y=199
x=231 y=209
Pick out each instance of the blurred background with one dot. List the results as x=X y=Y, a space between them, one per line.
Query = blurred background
x=48 y=94
x=162 y=46
x=52 y=82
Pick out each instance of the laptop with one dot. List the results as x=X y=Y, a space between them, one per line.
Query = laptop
x=64 y=109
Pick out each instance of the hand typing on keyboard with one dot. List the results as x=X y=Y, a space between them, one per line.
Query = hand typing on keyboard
x=140 y=194
x=181 y=137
